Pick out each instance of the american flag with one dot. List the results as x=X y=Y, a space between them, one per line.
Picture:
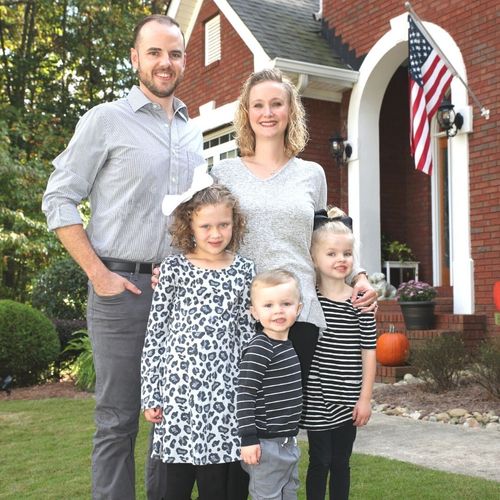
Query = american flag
x=429 y=80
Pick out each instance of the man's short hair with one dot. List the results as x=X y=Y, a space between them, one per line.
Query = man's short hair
x=159 y=18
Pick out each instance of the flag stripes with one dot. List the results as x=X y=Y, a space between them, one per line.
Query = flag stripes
x=429 y=80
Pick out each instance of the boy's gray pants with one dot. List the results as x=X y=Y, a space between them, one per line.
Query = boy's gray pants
x=276 y=476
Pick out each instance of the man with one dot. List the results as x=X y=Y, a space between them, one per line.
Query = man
x=124 y=156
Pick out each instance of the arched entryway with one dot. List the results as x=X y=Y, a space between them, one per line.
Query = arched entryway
x=375 y=74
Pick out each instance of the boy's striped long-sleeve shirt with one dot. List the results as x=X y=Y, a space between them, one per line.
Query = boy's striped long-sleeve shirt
x=269 y=400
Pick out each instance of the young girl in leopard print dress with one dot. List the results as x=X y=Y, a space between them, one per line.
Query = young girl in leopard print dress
x=198 y=323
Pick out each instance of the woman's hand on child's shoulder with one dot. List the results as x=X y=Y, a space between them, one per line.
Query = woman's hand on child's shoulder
x=251 y=454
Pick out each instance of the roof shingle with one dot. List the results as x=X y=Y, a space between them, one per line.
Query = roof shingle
x=287 y=29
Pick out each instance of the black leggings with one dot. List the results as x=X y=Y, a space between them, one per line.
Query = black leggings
x=304 y=337
x=237 y=482
x=211 y=481
x=215 y=482
x=329 y=452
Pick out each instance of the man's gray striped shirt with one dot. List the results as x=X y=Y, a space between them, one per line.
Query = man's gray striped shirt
x=124 y=157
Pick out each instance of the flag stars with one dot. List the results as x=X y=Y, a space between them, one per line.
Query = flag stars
x=419 y=51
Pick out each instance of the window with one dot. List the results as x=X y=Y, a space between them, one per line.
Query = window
x=212 y=40
x=219 y=145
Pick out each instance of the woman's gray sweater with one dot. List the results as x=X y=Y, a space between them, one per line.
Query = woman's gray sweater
x=280 y=211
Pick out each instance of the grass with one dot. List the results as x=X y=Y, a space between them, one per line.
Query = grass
x=45 y=454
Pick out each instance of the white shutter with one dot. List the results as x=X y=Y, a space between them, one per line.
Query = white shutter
x=212 y=41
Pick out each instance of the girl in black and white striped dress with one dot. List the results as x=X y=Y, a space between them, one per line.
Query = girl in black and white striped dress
x=339 y=388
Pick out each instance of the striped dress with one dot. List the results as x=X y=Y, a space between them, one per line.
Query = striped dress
x=269 y=400
x=334 y=382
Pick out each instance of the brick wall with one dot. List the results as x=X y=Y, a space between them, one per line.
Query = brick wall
x=220 y=81
x=323 y=121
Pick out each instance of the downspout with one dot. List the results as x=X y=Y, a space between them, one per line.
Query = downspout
x=302 y=82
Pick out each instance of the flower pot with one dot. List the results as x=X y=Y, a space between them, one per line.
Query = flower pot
x=418 y=315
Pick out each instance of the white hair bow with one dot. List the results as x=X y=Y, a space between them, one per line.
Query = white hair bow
x=201 y=180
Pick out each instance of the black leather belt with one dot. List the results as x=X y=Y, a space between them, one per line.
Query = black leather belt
x=126 y=266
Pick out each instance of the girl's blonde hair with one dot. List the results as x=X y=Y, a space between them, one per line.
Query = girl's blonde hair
x=180 y=229
x=296 y=135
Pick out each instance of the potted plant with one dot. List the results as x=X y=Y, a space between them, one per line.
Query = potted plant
x=416 y=299
x=396 y=251
x=398 y=256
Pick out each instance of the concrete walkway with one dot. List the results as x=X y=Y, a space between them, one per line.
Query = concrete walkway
x=446 y=447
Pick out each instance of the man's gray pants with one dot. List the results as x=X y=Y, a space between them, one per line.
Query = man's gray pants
x=276 y=476
x=117 y=327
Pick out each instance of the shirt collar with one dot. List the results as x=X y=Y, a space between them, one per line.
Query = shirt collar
x=138 y=100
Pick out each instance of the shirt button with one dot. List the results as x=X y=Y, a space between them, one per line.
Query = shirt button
x=156 y=106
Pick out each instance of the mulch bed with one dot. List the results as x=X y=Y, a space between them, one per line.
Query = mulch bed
x=472 y=397
x=63 y=389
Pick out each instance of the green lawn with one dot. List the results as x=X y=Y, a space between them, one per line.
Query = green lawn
x=45 y=454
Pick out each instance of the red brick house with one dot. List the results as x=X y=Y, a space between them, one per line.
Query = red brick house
x=349 y=60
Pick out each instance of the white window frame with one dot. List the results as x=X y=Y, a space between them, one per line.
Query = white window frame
x=212 y=40
x=222 y=147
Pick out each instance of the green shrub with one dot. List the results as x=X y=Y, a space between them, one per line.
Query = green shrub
x=440 y=362
x=28 y=343
x=486 y=367
x=61 y=290
x=82 y=369
x=65 y=329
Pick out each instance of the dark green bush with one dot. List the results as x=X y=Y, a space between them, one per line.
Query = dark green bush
x=486 y=367
x=440 y=362
x=61 y=290
x=82 y=369
x=28 y=343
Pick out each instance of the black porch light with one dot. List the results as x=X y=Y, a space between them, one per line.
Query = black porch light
x=449 y=121
x=340 y=149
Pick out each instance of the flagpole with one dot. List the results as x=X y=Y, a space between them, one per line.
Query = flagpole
x=484 y=111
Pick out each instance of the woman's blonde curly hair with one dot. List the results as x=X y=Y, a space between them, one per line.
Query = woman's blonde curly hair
x=296 y=134
x=180 y=229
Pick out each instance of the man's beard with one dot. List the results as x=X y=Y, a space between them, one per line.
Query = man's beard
x=158 y=92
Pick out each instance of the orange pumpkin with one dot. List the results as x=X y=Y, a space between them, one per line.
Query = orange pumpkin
x=393 y=348
x=496 y=295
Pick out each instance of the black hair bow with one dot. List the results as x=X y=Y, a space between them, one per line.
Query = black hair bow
x=321 y=218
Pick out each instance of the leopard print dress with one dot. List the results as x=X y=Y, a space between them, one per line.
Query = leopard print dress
x=198 y=324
